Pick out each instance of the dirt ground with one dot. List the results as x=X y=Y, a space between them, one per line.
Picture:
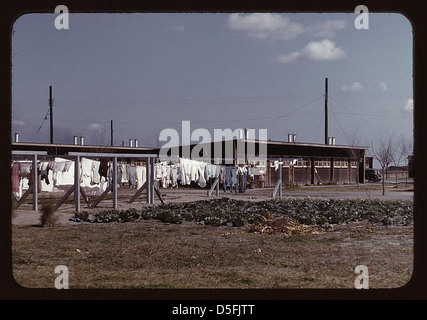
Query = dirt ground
x=26 y=216
x=152 y=254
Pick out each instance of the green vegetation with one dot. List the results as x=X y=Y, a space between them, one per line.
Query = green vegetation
x=238 y=213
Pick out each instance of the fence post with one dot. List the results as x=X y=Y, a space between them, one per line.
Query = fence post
x=77 y=183
x=115 y=183
x=35 y=184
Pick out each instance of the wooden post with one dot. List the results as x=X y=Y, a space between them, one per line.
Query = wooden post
x=111 y=133
x=148 y=182
x=35 y=184
x=312 y=169
x=114 y=182
x=153 y=161
x=51 y=114
x=280 y=177
x=326 y=111
x=349 y=170
x=77 y=183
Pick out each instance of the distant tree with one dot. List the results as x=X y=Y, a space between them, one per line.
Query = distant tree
x=384 y=155
x=405 y=150
x=353 y=140
x=98 y=135
x=396 y=156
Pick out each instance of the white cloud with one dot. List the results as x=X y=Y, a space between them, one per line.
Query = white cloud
x=382 y=86
x=288 y=58
x=265 y=26
x=409 y=106
x=274 y=26
x=324 y=50
x=18 y=123
x=327 y=29
x=95 y=127
x=355 y=86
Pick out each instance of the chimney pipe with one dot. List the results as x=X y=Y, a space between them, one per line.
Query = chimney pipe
x=130 y=143
x=136 y=143
x=76 y=142
x=16 y=137
x=82 y=142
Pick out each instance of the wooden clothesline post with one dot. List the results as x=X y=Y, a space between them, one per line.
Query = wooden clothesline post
x=34 y=187
x=278 y=186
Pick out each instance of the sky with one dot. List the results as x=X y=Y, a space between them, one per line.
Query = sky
x=150 y=71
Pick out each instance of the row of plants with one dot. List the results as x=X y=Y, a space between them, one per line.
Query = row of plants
x=226 y=211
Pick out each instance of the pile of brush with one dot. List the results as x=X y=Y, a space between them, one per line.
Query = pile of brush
x=283 y=225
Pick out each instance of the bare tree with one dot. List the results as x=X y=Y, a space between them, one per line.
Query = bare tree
x=405 y=150
x=384 y=155
x=396 y=156
x=353 y=140
x=98 y=134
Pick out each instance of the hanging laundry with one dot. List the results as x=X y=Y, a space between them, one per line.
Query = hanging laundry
x=16 y=178
x=118 y=175
x=86 y=172
x=242 y=173
x=230 y=178
x=125 y=174
x=174 y=176
x=141 y=176
x=103 y=168
x=201 y=174
x=132 y=176
x=43 y=168
x=212 y=171
x=222 y=175
x=95 y=172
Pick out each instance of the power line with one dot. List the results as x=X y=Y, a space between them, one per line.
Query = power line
x=359 y=116
x=80 y=114
x=339 y=125
x=290 y=97
x=289 y=113
x=44 y=118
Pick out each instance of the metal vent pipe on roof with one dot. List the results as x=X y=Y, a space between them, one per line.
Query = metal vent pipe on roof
x=82 y=141
x=292 y=137
x=16 y=137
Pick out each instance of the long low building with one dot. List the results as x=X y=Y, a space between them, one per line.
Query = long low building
x=301 y=163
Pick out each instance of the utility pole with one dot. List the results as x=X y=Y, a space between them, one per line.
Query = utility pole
x=51 y=114
x=112 y=136
x=326 y=110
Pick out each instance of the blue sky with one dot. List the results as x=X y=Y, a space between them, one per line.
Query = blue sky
x=149 y=72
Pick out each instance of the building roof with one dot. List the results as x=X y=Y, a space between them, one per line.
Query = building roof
x=274 y=148
x=63 y=149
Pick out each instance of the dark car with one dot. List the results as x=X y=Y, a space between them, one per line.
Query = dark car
x=372 y=175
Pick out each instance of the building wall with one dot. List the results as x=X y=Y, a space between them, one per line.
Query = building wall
x=300 y=173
